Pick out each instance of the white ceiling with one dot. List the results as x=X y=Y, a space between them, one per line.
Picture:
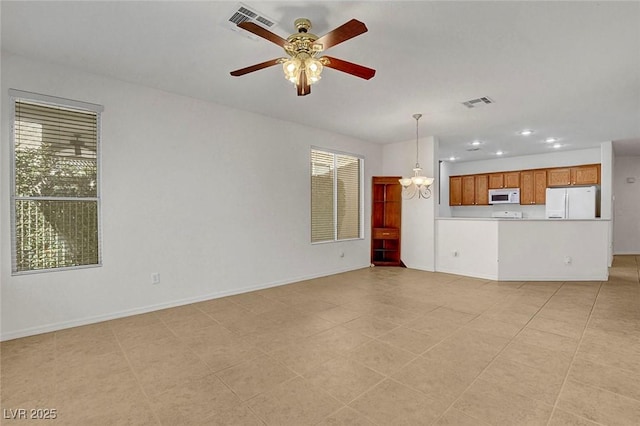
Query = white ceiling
x=569 y=70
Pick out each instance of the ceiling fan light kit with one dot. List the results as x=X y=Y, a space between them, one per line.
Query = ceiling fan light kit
x=303 y=67
x=418 y=184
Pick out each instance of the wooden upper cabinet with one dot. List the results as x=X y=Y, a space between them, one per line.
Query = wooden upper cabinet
x=580 y=175
x=539 y=186
x=455 y=191
x=468 y=190
x=481 y=190
x=512 y=180
x=533 y=187
x=504 y=180
x=559 y=176
x=496 y=180
x=586 y=175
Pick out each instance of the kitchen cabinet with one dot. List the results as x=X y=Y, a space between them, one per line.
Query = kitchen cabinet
x=455 y=191
x=482 y=190
x=504 y=180
x=386 y=214
x=468 y=190
x=474 y=190
x=579 y=175
x=533 y=186
x=586 y=175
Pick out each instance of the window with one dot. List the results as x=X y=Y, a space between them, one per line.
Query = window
x=336 y=196
x=55 y=187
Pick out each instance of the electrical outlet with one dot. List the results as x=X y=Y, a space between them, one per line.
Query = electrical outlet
x=155 y=278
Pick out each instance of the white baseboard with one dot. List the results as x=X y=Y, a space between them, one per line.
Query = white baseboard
x=471 y=274
x=156 y=307
x=594 y=278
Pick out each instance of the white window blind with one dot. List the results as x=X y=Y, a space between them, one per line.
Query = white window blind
x=55 y=194
x=336 y=196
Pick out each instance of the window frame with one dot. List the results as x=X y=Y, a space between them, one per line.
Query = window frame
x=53 y=101
x=335 y=153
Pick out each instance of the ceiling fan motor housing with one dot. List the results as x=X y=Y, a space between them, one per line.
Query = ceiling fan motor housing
x=302 y=41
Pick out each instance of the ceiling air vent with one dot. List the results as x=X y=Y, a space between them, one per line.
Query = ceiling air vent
x=477 y=102
x=244 y=13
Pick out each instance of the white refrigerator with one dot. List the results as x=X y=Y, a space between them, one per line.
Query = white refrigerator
x=572 y=203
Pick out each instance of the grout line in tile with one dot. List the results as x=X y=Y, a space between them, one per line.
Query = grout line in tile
x=574 y=414
x=496 y=356
x=135 y=377
x=575 y=352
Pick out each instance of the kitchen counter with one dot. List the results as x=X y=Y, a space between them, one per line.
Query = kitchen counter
x=523 y=249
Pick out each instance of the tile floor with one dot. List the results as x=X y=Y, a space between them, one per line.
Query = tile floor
x=378 y=346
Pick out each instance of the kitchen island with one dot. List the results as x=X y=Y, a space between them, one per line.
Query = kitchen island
x=523 y=249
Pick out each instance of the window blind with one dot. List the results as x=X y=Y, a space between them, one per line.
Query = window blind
x=56 y=192
x=336 y=194
x=348 y=202
x=322 y=197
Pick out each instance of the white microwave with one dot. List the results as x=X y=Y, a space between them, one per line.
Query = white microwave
x=504 y=196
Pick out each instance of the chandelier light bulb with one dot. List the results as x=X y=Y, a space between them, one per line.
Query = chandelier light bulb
x=313 y=69
x=291 y=70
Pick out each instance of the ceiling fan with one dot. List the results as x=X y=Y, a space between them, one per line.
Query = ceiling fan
x=303 y=66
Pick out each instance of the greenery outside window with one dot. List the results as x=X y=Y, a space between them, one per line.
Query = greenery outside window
x=55 y=194
x=336 y=196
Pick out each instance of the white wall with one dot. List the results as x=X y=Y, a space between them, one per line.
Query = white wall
x=626 y=238
x=444 y=209
x=606 y=180
x=467 y=247
x=606 y=192
x=418 y=215
x=538 y=250
x=214 y=199
x=523 y=250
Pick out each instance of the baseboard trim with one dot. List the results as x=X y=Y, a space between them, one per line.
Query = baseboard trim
x=32 y=331
x=467 y=274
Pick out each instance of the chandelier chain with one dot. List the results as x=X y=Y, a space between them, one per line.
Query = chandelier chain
x=417 y=117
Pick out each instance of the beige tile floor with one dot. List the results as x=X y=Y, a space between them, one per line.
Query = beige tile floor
x=379 y=346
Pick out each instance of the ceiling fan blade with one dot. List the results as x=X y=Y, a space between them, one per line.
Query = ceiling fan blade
x=348 y=67
x=256 y=29
x=303 y=85
x=256 y=67
x=344 y=32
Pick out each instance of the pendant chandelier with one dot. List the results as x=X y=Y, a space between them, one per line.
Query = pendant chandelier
x=418 y=184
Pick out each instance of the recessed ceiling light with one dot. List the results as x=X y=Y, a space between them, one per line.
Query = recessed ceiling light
x=556 y=145
x=476 y=143
x=452 y=158
x=499 y=153
x=551 y=140
x=526 y=132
